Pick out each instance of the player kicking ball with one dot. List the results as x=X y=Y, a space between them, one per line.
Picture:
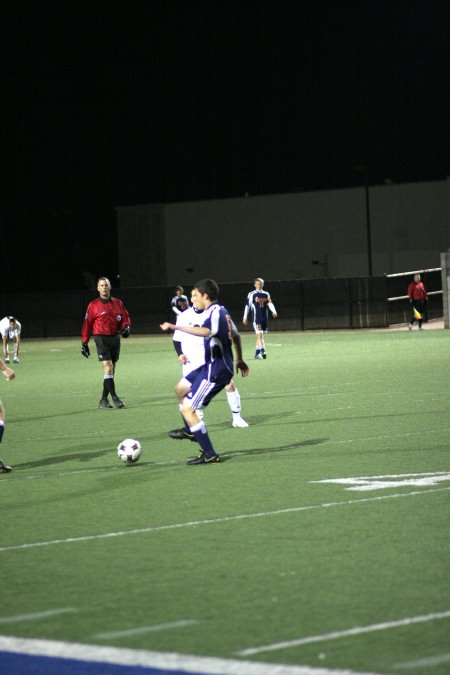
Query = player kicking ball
x=201 y=385
x=191 y=355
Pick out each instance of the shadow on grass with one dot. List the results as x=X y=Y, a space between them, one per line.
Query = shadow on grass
x=67 y=457
x=88 y=456
x=281 y=448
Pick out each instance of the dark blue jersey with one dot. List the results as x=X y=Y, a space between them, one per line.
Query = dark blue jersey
x=179 y=303
x=258 y=306
x=218 y=345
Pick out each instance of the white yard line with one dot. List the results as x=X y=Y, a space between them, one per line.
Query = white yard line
x=34 y=616
x=185 y=663
x=358 y=630
x=215 y=521
x=428 y=662
x=141 y=630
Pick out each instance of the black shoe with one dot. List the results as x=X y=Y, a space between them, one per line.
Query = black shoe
x=179 y=434
x=264 y=355
x=104 y=403
x=117 y=402
x=205 y=459
x=4 y=468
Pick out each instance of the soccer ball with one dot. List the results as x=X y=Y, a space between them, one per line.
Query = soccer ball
x=129 y=451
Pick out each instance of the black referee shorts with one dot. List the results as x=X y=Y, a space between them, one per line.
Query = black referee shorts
x=108 y=347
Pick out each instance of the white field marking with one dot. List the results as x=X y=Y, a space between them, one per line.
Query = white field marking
x=427 y=662
x=185 y=663
x=336 y=635
x=34 y=616
x=366 y=483
x=274 y=344
x=145 y=629
x=213 y=521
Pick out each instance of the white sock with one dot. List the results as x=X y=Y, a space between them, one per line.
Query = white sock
x=234 y=401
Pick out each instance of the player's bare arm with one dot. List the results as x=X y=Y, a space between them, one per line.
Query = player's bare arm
x=200 y=331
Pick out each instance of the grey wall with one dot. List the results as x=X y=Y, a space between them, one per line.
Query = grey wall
x=279 y=236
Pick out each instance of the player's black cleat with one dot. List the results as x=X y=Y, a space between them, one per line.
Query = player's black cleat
x=4 y=468
x=104 y=403
x=117 y=402
x=204 y=459
x=180 y=434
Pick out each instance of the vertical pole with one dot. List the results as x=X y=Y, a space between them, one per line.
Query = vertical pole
x=368 y=226
x=445 y=271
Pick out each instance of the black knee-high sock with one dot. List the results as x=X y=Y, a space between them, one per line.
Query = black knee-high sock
x=108 y=383
x=2 y=429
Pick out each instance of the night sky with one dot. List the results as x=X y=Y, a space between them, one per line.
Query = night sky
x=113 y=103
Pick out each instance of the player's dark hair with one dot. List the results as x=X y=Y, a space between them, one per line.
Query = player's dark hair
x=208 y=287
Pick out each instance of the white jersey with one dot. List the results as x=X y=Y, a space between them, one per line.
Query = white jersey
x=192 y=346
x=6 y=332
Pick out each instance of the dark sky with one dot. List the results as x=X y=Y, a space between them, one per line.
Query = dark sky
x=113 y=103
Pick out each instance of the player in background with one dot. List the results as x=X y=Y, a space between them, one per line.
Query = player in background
x=191 y=355
x=10 y=330
x=418 y=297
x=106 y=319
x=258 y=304
x=200 y=386
x=179 y=301
x=10 y=375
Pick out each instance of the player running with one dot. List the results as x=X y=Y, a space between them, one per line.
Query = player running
x=201 y=385
x=191 y=355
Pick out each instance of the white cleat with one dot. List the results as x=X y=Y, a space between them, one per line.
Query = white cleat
x=16 y=360
x=239 y=423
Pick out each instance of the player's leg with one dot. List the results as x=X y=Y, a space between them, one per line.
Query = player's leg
x=263 y=327
x=3 y=467
x=110 y=384
x=16 y=342
x=181 y=389
x=420 y=309
x=259 y=340
x=5 y=347
x=234 y=401
x=198 y=429
x=202 y=392
x=108 y=350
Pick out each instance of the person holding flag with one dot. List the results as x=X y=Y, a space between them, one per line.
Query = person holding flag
x=418 y=298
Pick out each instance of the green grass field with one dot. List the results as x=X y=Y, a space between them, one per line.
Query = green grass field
x=257 y=558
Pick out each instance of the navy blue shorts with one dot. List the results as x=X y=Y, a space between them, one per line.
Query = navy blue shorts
x=206 y=382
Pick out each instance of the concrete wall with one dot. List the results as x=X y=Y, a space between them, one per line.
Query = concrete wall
x=301 y=235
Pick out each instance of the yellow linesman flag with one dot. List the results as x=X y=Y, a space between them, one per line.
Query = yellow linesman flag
x=417 y=314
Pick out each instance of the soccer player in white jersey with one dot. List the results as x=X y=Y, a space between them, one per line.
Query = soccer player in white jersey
x=257 y=305
x=191 y=355
x=10 y=330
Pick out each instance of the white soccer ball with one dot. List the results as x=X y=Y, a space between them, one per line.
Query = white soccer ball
x=129 y=451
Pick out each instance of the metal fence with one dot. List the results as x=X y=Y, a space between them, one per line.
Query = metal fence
x=302 y=304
